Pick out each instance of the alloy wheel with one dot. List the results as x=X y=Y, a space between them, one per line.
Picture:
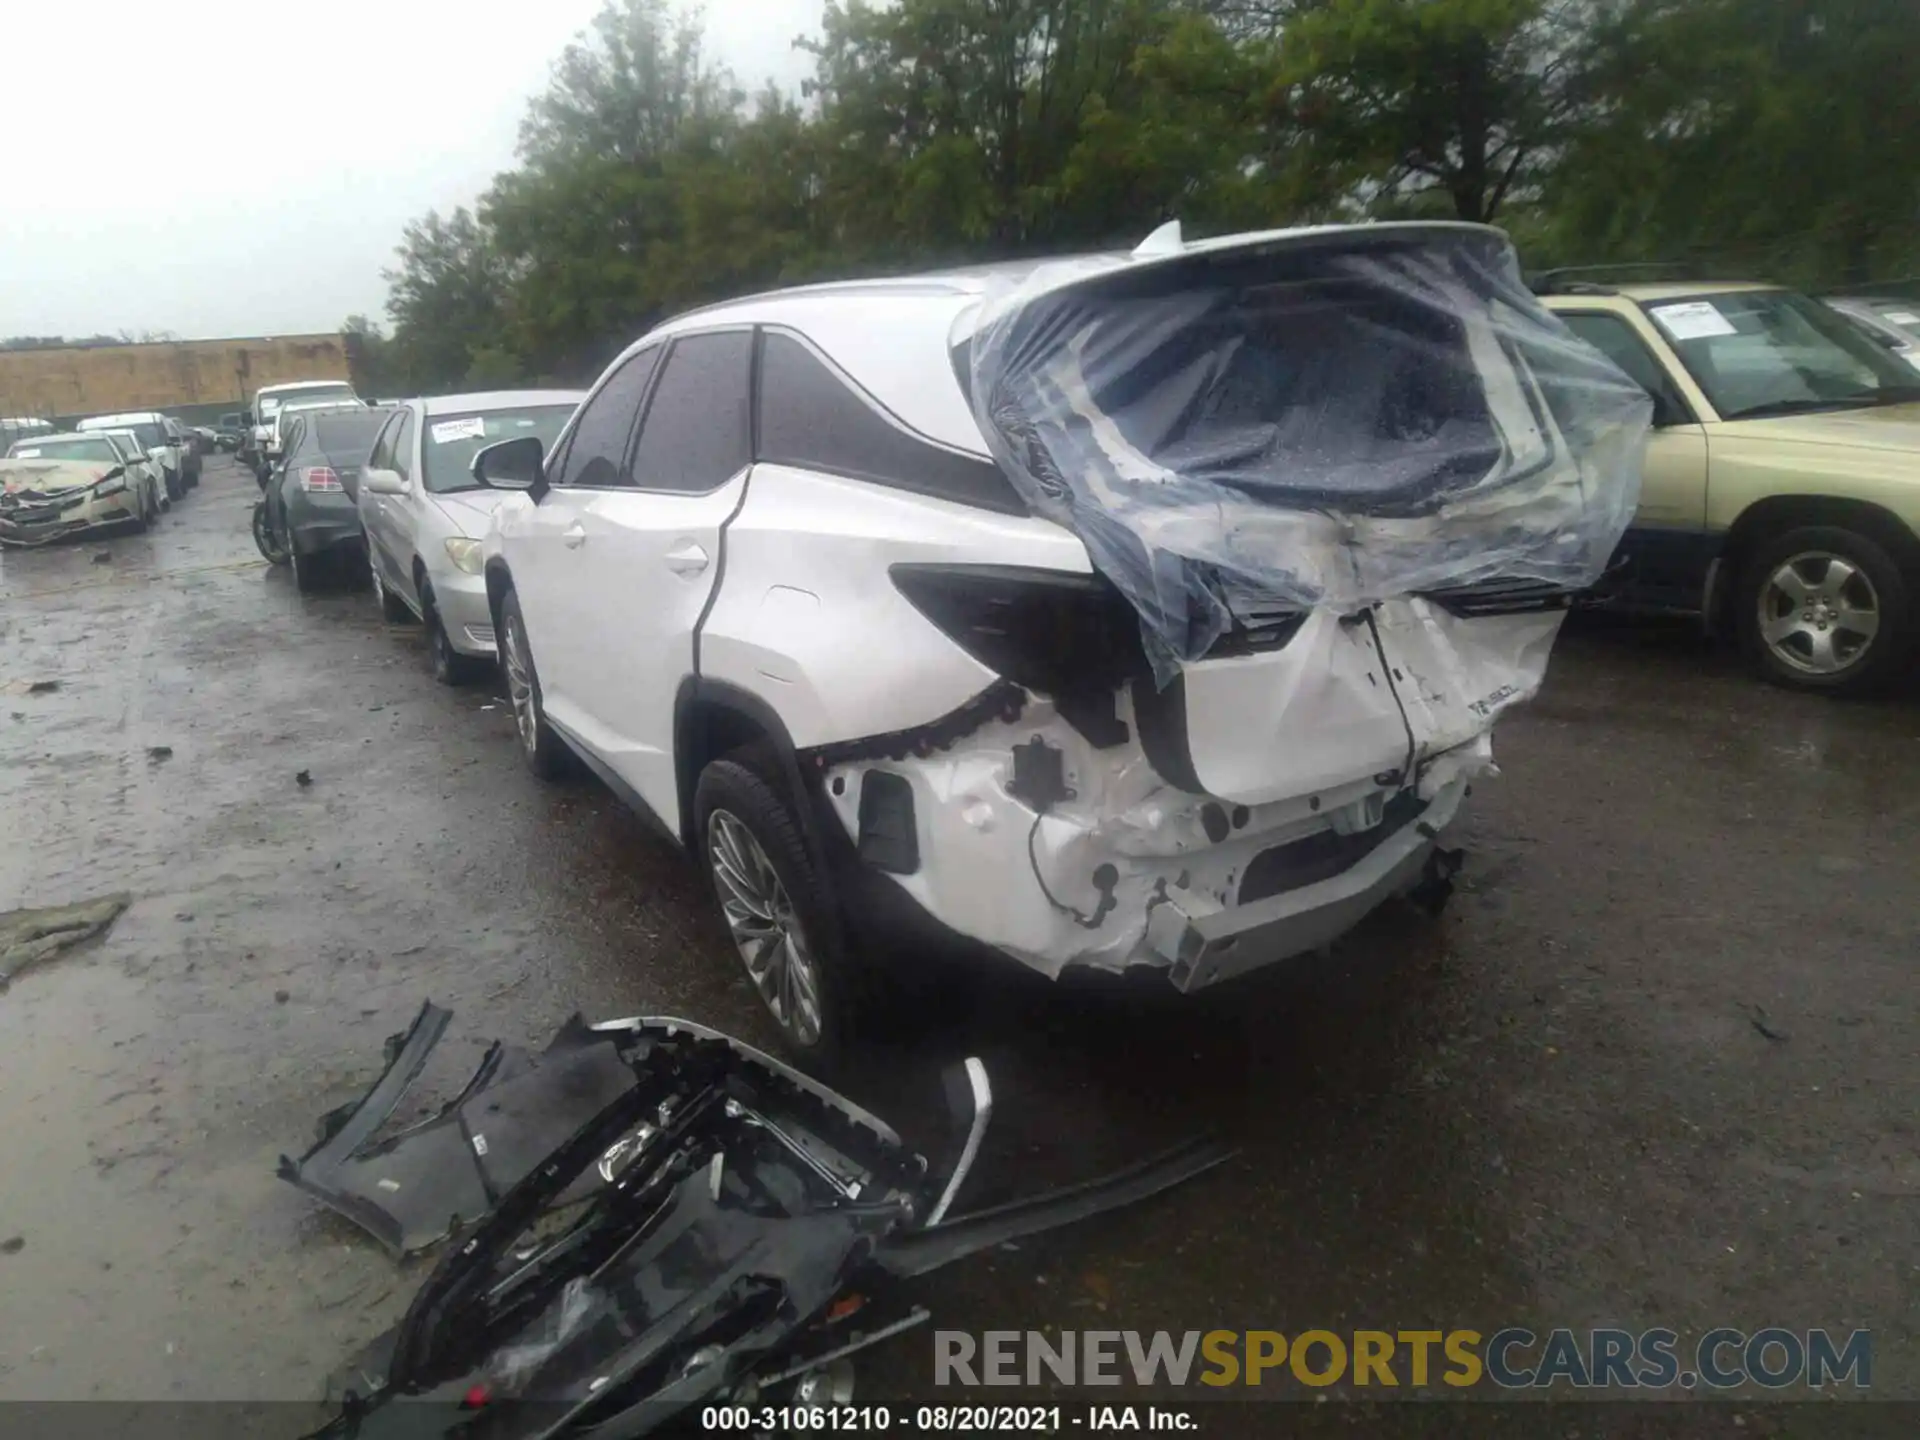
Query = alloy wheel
x=520 y=687
x=766 y=928
x=1819 y=613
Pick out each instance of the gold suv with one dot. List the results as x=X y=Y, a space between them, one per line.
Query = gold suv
x=1781 y=496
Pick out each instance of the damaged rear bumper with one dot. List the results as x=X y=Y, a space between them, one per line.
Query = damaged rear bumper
x=1204 y=943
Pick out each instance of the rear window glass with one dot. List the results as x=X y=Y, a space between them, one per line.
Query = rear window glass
x=347 y=431
x=271 y=403
x=453 y=440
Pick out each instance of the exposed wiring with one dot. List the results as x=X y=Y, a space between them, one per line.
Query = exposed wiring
x=1407 y=776
x=1085 y=922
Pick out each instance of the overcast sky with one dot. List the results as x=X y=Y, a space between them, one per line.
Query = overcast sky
x=243 y=167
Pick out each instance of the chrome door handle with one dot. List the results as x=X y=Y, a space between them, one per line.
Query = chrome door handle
x=575 y=535
x=686 y=558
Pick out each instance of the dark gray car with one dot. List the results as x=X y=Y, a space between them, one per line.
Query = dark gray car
x=312 y=493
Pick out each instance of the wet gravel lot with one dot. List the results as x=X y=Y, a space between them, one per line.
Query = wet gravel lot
x=1657 y=1065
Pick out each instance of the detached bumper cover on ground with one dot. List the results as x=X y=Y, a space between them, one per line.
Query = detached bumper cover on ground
x=724 y=1229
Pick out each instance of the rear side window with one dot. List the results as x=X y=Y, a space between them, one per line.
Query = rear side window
x=599 y=440
x=695 y=437
x=813 y=419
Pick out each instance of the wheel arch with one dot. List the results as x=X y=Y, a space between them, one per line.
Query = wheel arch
x=1777 y=513
x=712 y=718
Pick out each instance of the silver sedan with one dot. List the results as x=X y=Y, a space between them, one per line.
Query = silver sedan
x=425 y=514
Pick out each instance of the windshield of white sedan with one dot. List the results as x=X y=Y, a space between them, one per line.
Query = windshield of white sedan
x=1772 y=352
x=453 y=440
x=74 y=447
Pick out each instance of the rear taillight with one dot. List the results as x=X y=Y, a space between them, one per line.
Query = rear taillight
x=320 y=477
x=1056 y=634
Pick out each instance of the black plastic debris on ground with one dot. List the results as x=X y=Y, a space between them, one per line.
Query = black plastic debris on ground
x=719 y=1230
x=414 y=1188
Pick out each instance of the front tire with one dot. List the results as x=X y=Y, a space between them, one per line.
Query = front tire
x=1825 y=608
x=543 y=750
x=450 y=667
x=756 y=862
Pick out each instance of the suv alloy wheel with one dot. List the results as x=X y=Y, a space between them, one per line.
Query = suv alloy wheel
x=756 y=861
x=544 y=751
x=1825 y=608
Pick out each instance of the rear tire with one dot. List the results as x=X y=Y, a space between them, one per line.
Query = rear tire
x=754 y=857
x=1825 y=608
x=392 y=608
x=543 y=750
x=264 y=538
x=308 y=570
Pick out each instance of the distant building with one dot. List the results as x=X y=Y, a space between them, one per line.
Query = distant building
x=191 y=378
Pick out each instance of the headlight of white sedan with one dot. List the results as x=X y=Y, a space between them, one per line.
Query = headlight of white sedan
x=465 y=555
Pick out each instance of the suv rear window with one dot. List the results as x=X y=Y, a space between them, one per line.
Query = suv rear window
x=813 y=419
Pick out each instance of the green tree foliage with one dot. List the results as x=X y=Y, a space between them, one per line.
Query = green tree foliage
x=447 y=298
x=1777 y=135
x=1780 y=135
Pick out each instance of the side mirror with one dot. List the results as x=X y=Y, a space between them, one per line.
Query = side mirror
x=383 y=482
x=246 y=417
x=512 y=465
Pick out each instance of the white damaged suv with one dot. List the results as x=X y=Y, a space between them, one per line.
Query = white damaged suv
x=1144 y=609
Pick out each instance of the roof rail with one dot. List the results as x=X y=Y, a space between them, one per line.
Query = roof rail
x=1588 y=279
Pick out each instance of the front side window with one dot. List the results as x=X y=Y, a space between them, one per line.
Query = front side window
x=1771 y=352
x=696 y=436
x=381 y=457
x=403 y=446
x=1615 y=339
x=598 y=443
x=453 y=440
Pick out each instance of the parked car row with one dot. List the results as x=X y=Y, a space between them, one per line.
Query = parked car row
x=262 y=443
x=1140 y=611
x=110 y=472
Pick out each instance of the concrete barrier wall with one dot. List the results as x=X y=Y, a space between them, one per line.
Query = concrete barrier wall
x=95 y=380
